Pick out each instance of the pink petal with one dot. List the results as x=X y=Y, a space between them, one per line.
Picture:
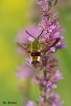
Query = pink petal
x=52 y=49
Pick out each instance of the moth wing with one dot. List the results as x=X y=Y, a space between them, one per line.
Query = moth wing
x=23 y=45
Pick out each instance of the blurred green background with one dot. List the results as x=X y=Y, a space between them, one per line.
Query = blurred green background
x=14 y=17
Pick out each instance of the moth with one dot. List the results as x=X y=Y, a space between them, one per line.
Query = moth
x=36 y=47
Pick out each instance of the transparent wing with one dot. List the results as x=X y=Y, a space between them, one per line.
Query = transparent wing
x=24 y=46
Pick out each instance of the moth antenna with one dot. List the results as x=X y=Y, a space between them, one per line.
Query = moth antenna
x=29 y=34
x=40 y=34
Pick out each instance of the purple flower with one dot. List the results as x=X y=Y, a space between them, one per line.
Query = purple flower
x=52 y=49
x=58 y=75
x=49 y=28
x=30 y=103
x=50 y=86
x=40 y=100
x=49 y=43
x=44 y=25
x=54 y=99
x=29 y=61
x=60 y=46
x=56 y=35
x=44 y=9
x=31 y=39
x=24 y=71
x=44 y=82
x=56 y=96
x=58 y=103
x=42 y=2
